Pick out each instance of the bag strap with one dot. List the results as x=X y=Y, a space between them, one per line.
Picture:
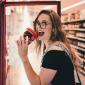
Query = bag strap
x=60 y=45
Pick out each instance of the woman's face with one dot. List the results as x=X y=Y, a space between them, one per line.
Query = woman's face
x=44 y=27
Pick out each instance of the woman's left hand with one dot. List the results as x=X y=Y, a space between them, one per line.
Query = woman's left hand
x=22 y=48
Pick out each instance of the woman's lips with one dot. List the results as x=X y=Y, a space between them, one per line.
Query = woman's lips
x=40 y=34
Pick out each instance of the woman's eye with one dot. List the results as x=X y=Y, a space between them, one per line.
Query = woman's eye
x=44 y=23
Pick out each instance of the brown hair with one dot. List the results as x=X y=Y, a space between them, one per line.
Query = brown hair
x=58 y=34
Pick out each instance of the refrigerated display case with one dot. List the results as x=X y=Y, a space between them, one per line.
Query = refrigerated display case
x=15 y=17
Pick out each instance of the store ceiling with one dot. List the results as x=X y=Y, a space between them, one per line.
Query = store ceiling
x=64 y=4
x=67 y=3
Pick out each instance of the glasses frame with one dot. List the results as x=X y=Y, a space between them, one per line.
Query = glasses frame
x=40 y=24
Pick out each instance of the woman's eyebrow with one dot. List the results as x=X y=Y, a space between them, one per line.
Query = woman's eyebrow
x=44 y=21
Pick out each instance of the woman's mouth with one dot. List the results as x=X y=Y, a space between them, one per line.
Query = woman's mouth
x=40 y=34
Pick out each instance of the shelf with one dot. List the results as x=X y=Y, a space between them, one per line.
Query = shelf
x=80 y=55
x=83 y=72
x=81 y=46
x=79 y=20
x=76 y=47
x=82 y=67
x=76 y=38
x=74 y=29
x=83 y=59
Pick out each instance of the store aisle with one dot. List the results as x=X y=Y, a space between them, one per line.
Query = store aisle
x=16 y=74
x=82 y=77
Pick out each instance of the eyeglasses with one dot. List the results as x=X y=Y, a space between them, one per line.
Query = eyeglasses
x=42 y=24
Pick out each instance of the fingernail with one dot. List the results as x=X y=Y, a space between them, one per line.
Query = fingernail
x=17 y=42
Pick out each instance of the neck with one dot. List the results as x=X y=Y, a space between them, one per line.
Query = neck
x=48 y=43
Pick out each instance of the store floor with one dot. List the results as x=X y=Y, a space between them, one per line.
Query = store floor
x=16 y=76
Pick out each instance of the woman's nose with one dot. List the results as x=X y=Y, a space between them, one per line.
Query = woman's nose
x=38 y=27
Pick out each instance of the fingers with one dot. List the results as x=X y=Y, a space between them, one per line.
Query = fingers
x=22 y=39
x=17 y=42
x=27 y=40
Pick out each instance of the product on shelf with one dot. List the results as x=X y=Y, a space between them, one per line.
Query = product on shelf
x=77 y=15
x=82 y=14
x=73 y=16
x=71 y=33
x=80 y=34
x=69 y=25
x=81 y=44
x=77 y=25
x=69 y=16
x=64 y=18
x=75 y=43
x=84 y=24
x=81 y=25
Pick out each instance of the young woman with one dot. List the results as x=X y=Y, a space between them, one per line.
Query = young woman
x=56 y=67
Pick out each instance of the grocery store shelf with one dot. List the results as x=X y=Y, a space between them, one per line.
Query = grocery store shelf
x=82 y=71
x=76 y=38
x=76 y=47
x=79 y=20
x=82 y=67
x=74 y=29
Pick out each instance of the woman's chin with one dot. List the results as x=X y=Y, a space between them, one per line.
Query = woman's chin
x=40 y=38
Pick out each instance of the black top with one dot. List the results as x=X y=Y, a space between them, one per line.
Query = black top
x=60 y=61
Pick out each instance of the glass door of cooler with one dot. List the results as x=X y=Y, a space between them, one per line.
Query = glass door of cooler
x=15 y=18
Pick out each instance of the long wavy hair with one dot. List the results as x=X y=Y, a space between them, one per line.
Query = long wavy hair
x=57 y=35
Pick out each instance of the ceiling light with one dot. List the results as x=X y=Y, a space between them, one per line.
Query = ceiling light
x=72 y=6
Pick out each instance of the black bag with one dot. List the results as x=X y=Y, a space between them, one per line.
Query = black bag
x=60 y=45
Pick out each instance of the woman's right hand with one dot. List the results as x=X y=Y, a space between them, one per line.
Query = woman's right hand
x=22 y=45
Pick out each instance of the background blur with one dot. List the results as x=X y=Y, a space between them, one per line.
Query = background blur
x=18 y=18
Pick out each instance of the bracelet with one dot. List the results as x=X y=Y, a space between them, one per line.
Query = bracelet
x=83 y=63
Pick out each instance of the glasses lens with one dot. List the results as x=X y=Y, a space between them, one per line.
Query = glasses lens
x=43 y=25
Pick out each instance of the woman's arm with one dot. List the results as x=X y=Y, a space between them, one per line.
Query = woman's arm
x=23 y=52
x=45 y=76
x=33 y=78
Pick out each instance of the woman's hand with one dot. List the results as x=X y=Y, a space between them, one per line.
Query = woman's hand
x=22 y=48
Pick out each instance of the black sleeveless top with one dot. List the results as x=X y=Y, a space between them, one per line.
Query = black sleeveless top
x=60 y=61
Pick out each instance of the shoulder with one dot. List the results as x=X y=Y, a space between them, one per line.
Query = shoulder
x=54 y=47
x=54 y=55
x=52 y=59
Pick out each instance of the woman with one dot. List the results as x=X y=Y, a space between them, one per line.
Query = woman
x=56 y=67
